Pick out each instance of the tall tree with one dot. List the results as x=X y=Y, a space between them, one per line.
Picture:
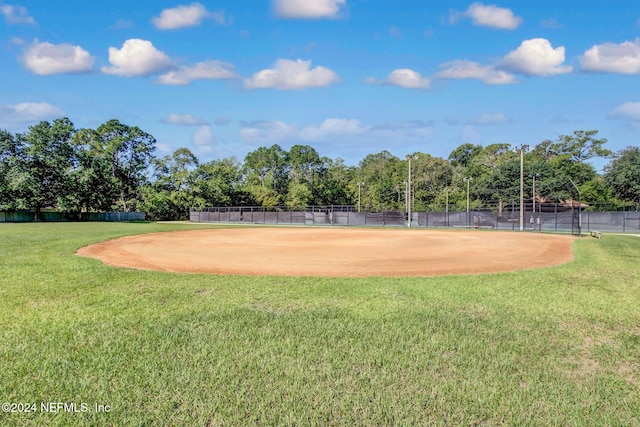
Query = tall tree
x=464 y=154
x=337 y=184
x=266 y=175
x=42 y=174
x=303 y=161
x=581 y=146
x=170 y=195
x=94 y=188
x=130 y=150
x=431 y=175
x=217 y=183
x=623 y=175
x=10 y=150
x=570 y=152
x=384 y=180
x=172 y=172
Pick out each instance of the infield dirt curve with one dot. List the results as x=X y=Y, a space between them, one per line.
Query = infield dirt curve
x=334 y=252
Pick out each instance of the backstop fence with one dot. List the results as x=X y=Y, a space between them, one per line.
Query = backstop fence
x=559 y=219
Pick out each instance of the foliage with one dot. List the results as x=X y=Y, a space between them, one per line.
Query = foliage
x=41 y=165
x=622 y=175
x=217 y=183
x=10 y=155
x=130 y=150
x=113 y=167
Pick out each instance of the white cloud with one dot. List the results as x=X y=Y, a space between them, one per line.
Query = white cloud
x=46 y=58
x=407 y=78
x=292 y=75
x=403 y=130
x=309 y=9
x=29 y=112
x=489 y=119
x=472 y=70
x=185 y=16
x=204 y=137
x=331 y=128
x=537 y=57
x=137 y=58
x=260 y=132
x=629 y=111
x=16 y=14
x=488 y=16
x=623 y=58
x=184 y=120
x=403 y=77
x=213 y=70
x=334 y=131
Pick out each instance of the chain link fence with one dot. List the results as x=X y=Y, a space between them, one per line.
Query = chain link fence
x=51 y=216
x=557 y=218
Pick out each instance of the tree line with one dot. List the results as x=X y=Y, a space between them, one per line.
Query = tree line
x=114 y=168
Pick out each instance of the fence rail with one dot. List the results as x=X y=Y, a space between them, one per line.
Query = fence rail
x=48 y=216
x=564 y=221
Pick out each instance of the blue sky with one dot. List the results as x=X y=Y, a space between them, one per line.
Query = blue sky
x=348 y=77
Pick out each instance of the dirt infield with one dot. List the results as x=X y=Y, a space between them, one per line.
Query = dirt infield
x=334 y=252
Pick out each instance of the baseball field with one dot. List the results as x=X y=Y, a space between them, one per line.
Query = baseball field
x=308 y=326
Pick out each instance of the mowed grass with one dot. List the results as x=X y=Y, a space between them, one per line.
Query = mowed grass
x=555 y=346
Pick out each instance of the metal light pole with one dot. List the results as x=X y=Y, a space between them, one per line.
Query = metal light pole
x=522 y=148
x=409 y=193
x=468 y=210
x=534 y=176
x=406 y=197
x=573 y=203
x=359 y=185
x=534 y=194
x=446 y=206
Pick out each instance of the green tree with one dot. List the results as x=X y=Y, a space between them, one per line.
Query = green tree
x=303 y=164
x=10 y=151
x=217 y=183
x=266 y=172
x=172 y=172
x=299 y=195
x=41 y=175
x=431 y=175
x=170 y=196
x=464 y=154
x=622 y=174
x=597 y=193
x=130 y=151
x=581 y=146
x=337 y=184
x=384 y=180
x=570 y=152
x=94 y=188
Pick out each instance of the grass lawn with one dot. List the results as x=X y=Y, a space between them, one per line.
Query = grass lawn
x=556 y=346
